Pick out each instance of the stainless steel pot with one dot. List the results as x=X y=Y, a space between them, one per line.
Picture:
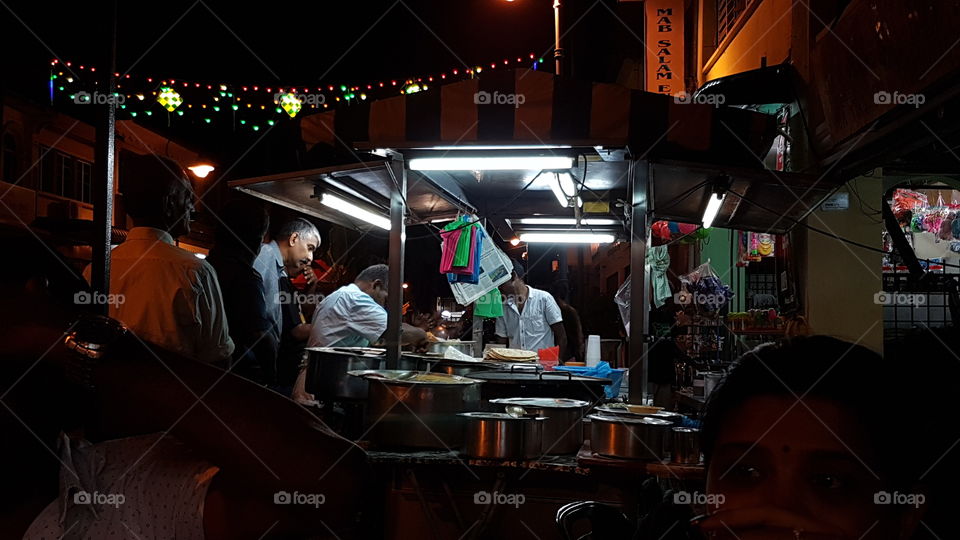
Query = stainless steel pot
x=440 y=347
x=403 y=411
x=630 y=438
x=686 y=446
x=328 y=367
x=436 y=364
x=563 y=428
x=488 y=435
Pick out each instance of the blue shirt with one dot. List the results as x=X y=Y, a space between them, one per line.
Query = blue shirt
x=269 y=263
x=347 y=318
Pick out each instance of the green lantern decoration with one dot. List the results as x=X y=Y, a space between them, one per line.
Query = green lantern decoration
x=169 y=99
x=291 y=104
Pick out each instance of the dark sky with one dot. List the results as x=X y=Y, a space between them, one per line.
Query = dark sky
x=296 y=42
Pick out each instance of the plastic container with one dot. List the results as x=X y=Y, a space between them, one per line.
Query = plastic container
x=593 y=350
x=611 y=390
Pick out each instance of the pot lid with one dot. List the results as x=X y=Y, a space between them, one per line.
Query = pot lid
x=350 y=351
x=397 y=376
x=629 y=420
x=498 y=416
x=543 y=403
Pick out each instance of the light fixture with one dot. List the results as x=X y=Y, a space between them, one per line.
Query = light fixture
x=713 y=208
x=202 y=170
x=490 y=163
x=354 y=211
x=514 y=241
x=565 y=188
x=200 y=255
x=567 y=238
x=406 y=285
x=567 y=221
x=718 y=193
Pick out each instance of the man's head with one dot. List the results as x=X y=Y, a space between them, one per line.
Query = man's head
x=815 y=435
x=515 y=284
x=157 y=193
x=374 y=281
x=243 y=223
x=297 y=239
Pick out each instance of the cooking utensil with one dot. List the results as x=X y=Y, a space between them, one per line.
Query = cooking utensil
x=415 y=409
x=563 y=429
x=488 y=435
x=555 y=384
x=327 y=370
x=686 y=446
x=673 y=417
x=630 y=438
x=440 y=347
x=425 y=362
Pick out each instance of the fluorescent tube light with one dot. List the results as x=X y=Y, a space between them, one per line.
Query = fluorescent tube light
x=501 y=147
x=566 y=238
x=564 y=188
x=490 y=163
x=567 y=221
x=713 y=208
x=354 y=211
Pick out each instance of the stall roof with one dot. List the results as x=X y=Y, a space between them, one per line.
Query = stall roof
x=604 y=126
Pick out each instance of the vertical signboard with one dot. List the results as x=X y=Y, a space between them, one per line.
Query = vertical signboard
x=664 y=42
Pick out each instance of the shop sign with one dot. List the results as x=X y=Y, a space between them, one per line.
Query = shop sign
x=664 y=37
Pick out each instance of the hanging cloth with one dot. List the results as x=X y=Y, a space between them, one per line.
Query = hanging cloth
x=658 y=258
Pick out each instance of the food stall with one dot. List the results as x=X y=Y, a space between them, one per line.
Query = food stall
x=532 y=156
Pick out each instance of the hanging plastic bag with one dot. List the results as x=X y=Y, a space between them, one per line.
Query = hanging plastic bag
x=706 y=287
x=622 y=299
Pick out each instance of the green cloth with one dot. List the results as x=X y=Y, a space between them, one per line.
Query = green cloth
x=462 y=256
x=658 y=259
x=489 y=305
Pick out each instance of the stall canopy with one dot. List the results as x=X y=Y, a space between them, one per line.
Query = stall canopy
x=602 y=127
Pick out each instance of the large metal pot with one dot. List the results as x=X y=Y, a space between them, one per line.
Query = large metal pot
x=328 y=367
x=630 y=438
x=404 y=410
x=563 y=429
x=489 y=435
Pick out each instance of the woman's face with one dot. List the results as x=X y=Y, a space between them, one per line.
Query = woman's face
x=788 y=469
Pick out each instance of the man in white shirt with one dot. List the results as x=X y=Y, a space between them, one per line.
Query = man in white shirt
x=531 y=318
x=164 y=294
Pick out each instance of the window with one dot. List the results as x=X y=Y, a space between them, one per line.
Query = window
x=10 y=171
x=728 y=11
x=64 y=175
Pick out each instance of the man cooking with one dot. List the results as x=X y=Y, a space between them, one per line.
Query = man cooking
x=531 y=318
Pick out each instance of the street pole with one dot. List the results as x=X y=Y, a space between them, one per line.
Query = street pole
x=103 y=164
x=557 y=49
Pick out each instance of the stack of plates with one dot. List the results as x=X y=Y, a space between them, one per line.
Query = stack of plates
x=511 y=355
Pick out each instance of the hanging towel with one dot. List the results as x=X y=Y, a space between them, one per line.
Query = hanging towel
x=658 y=258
